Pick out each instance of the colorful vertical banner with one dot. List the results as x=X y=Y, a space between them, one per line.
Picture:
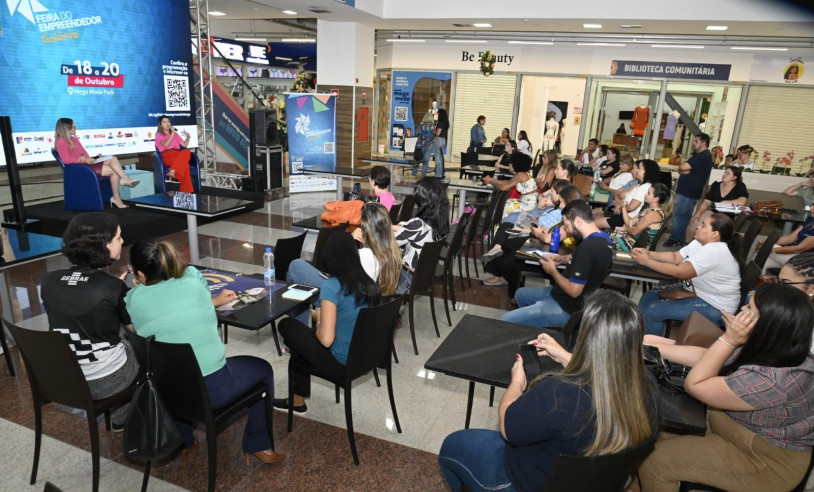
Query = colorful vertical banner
x=311 y=120
x=231 y=126
x=402 y=110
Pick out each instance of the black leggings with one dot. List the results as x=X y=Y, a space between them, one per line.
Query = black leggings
x=508 y=244
x=305 y=347
x=507 y=267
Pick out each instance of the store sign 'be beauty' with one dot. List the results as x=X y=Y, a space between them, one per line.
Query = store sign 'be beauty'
x=470 y=56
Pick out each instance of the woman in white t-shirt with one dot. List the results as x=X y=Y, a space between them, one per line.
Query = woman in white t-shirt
x=646 y=171
x=523 y=143
x=712 y=262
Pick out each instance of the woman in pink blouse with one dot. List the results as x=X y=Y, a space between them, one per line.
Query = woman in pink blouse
x=174 y=152
x=70 y=150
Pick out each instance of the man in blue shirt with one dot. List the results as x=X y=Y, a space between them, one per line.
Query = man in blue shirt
x=689 y=187
x=477 y=135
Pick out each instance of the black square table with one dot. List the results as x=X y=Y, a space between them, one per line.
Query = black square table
x=259 y=314
x=482 y=350
x=342 y=172
x=192 y=205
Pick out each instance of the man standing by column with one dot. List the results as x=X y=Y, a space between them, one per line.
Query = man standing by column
x=689 y=187
x=477 y=135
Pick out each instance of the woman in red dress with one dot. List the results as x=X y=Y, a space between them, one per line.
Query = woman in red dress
x=174 y=152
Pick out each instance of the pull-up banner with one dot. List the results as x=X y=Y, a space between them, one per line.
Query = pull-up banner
x=311 y=122
x=670 y=70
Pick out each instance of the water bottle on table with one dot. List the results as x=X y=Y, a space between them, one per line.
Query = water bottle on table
x=555 y=240
x=268 y=268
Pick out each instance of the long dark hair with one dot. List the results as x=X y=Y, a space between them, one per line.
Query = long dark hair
x=443 y=116
x=724 y=226
x=782 y=334
x=569 y=166
x=433 y=206
x=652 y=173
x=522 y=135
x=342 y=260
x=86 y=238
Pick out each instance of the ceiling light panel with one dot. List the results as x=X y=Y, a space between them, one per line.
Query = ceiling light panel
x=592 y=26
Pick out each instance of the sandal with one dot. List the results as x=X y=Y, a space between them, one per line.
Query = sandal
x=494 y=284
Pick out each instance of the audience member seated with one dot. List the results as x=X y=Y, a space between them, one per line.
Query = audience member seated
x=730 y=190
x=546 y=173
x=590 y=153
x=500 y=262
x=341 y=298
x=743 y=158
x=87 y=306
x=805 y=190
x=757 y=381
x=586 y=269
x=71 y=152
x=602 y=159
x=646 y=171
x=506 y=158
x=657 y=207
x=521 y=181
x=174 y=153
x=610 y=166
x=798 y=241
x=600 y=403
x=430 y=224
x=711 y=262
x=172 y=301
x=523 y=143
x=618 y=184
x=380 y=184
x=504 y=137
x=379 y=255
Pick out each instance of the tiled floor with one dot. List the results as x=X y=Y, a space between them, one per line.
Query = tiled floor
x=430 y=406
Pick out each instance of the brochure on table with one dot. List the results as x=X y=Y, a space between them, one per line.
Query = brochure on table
x=311 y=140
x=249 y=290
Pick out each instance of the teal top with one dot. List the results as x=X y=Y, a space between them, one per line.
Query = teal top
x=346 y=313
x=179 y=310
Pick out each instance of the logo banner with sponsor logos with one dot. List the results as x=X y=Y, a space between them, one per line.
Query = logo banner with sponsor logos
x=112 y=67
x=311 y=121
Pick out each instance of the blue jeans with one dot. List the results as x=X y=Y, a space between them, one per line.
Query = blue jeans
x=405 y=282
x=302 y=272
x=537 y=308
x=682 y=213
x=475 y=457
x=436 y=149
x=656 y=311
x=232 y=380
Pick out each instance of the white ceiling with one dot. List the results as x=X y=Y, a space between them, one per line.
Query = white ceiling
x=745 y=18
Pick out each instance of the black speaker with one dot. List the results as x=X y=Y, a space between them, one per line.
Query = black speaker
x=263 y=124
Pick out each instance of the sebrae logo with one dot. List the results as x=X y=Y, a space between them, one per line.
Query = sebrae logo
x=26 y=8
x=302 y=124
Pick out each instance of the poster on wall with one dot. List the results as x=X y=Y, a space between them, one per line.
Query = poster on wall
x=311 y=122
x=231 y=126
x=99 y=64
x=787 y=69
x=402 y=102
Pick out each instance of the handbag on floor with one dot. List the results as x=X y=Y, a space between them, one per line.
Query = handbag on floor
x=677 y=291
x=150 y=432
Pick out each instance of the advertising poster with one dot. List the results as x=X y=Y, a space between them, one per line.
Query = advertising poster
x=402 y=102
x=311 y=122
x=112 y=67
x=231 y=126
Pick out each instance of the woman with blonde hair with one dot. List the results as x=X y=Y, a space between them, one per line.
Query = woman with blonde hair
x=601 y=403
x=172 y=301
x=545 y=175
x=376 y=236
x=70 y=150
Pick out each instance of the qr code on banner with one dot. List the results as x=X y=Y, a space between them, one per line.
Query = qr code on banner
x=401 y=113
x=328 y=148
x=176 y=93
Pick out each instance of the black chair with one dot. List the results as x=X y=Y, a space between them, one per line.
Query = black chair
x=422 y=283
x=740 y=222
x=286 y=251
x=407 y=207
x=322 y=239
x=487 y=224
x=6 y=354
x=181 y=385
x=468 y=246
x=370 y=347
x=590 y=474
x=658 y=236
x=395 y=211
x=749 y=236
x=453 y=249
x=55 y=376
x=750 y=274
x=484 y=150
x=762 y=254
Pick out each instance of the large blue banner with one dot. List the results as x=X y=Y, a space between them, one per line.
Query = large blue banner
x=113 y=67
x=401 y=105
x=311 y=121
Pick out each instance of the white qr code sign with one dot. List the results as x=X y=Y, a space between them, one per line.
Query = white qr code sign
x=401 y=113
x=328 y=148
x=176 y=93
